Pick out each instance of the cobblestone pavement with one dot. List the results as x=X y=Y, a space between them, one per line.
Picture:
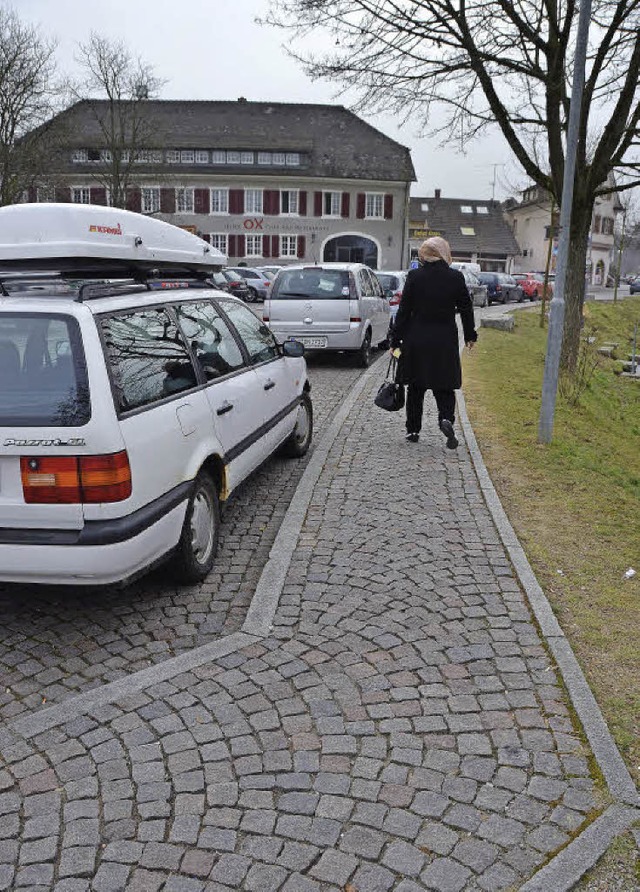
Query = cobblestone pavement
x=59 y=641
x=401 y=729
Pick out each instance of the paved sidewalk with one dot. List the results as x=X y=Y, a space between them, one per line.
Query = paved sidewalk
x=401 y=727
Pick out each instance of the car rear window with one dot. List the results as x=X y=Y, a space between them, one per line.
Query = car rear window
x=43 y=372
x=388 y=282
x=317 y=284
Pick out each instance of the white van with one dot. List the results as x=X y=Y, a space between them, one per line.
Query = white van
x=128 y=409
x=329 y=306
x=463 y=265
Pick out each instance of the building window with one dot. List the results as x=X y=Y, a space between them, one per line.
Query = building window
x=173 y=156
x=374 y=204
x=80 y=156
x=482 y=209
x=331 y=204
x=184 y=201
x=187 y=156
x=148 y=156
x=105 y=156
x=607 y=226
x=264 y=157
x=278 y=158
x=253 y=203
x=467 y=230
x=596 y=224
x=218 y=241
x=150 y=200
x=81 y=195
x=219 y=201
x=233 y=157
x=288 y=245
x=254 y=246
x=202 y=156
x=424 y=208
x=93 y=154
x=246 y=158
x=218 y=157
x=289 y=202
x=293 y=159
x=466 y=209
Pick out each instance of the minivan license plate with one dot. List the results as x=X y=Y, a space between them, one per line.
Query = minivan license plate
x=313 y=343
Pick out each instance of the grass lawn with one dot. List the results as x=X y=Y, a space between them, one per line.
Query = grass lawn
x=575 y=504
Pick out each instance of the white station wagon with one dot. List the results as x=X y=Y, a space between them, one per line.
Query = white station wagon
x=134 y=397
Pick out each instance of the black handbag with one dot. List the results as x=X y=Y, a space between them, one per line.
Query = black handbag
x=390 y=396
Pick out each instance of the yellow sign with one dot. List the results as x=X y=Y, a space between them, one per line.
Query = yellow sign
x=423 y=233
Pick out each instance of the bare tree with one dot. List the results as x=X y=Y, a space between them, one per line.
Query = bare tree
x=27 y=96
x=118 y=87
x=487 y=63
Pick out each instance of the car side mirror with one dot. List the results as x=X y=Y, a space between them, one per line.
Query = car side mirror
x=293 y=349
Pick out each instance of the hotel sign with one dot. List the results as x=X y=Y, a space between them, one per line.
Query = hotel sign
x=423 y=233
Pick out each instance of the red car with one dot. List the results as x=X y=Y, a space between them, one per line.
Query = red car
x=532 y=285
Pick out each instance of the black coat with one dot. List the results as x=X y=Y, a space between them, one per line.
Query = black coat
x=426 y=330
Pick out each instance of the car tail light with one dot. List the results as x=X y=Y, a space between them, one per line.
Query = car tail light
x=394 y=300
x=355 y=319
x=70 y=479
x=353 y=291
x=498 y=287
x=265 y=317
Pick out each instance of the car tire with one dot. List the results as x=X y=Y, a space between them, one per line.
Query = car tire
x=198 y=543
x=253 y=295
x=363 y=356
x=534 y=296
x=298 y=443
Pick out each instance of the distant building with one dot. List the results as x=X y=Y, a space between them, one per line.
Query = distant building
x=476 y=230
x=533 y=226
x=263 y=182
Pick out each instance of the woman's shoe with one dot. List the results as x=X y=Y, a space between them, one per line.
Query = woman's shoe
x=447 y=429
x=412 y=438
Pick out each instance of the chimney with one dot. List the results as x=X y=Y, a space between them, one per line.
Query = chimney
x=437 y=193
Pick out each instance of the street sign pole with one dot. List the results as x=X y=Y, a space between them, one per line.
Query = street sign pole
x=556 y=308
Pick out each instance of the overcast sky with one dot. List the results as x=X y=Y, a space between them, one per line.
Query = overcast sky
x=213 y=49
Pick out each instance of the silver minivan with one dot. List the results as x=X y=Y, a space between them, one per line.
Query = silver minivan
x=329 y=306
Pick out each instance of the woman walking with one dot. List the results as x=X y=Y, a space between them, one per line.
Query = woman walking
x=426 y=332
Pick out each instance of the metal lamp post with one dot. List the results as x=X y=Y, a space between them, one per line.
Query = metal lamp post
x=556 y=316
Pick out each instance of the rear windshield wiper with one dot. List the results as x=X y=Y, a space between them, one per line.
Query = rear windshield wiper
x=292 y=294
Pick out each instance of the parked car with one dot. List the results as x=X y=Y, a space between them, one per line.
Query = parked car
x=500 y=287
x=634 y=285
x=237 y=285
x=128 y=412
x=272 y=271
x=531 y=286
x=392 y=285
x=477 y=290
x=329 y=306
x=257 y=282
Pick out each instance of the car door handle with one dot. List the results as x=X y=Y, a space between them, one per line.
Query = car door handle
x=224 y=408
x=269 y=384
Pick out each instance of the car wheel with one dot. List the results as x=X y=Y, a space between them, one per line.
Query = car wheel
x=534 y=296
x=298 y=443
x=253 y=295
x=364 y=353
x=200 y=531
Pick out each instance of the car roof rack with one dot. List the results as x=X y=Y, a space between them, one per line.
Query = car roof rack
x=73 y=241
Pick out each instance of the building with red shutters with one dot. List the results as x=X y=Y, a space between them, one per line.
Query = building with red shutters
x=266 y=183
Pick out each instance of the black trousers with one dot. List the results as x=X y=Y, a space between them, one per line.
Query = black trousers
x=445 y=401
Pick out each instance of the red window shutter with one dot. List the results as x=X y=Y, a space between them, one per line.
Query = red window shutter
x=266 y=244
x=134 y=200
x=275 y=245
x=98 y=195
x=32 y=194
x=62 y=194
x=317 y=204
x=241 y=246
x=360 y=205
x=302 y=204
x=345 y=204
x=388 y=207
x=302 y=245
x=275 y=202
x=236 y=201
x=201 y=201
x=206 y=237
x=168 y=201
x=232 y=246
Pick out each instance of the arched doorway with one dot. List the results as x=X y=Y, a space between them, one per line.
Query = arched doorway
x=351 y=248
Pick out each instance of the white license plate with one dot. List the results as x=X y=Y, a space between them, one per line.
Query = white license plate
x=313 y=343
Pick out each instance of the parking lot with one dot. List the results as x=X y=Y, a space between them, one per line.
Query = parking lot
x=56 y=642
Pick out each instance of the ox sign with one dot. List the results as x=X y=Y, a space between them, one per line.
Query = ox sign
x=253 y=224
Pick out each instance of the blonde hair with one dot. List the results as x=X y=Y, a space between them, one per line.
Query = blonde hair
x=433 y=249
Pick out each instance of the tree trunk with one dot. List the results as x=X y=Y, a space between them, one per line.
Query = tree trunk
x=574 y=287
